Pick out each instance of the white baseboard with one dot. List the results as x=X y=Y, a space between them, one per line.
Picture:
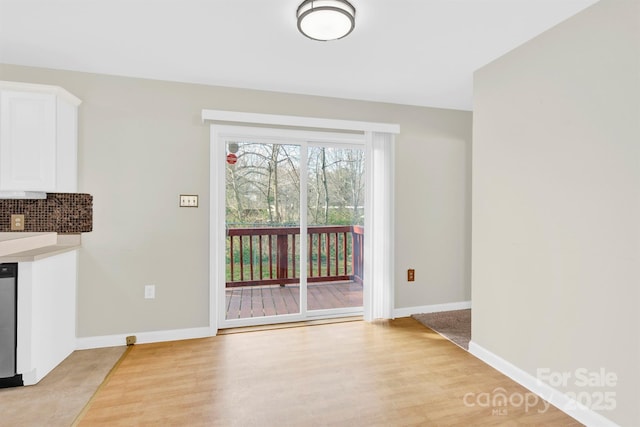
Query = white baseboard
x=408 y=311
x=30 y=378
x=557 y=398
x=86 y=343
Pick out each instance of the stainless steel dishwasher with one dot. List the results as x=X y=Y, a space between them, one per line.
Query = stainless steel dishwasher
x=8 y=325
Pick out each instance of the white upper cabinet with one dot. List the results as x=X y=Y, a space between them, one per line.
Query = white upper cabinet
x=38 y=138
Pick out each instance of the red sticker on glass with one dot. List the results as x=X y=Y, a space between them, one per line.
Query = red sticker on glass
x=232 y=158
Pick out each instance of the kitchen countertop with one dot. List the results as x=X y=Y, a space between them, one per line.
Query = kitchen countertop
x=26 y=247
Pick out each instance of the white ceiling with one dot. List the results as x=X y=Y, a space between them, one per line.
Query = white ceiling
x=416 y=52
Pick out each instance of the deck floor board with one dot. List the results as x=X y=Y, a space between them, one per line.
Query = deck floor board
x=260 y=301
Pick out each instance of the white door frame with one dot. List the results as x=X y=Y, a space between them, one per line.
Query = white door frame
x=378 y=139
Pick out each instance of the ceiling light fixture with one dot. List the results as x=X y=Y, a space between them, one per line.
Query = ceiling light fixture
x=326 y=19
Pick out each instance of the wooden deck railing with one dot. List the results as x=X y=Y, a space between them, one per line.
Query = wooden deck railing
x=269 y=255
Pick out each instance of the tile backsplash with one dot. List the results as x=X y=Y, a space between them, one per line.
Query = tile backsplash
x=59 y=212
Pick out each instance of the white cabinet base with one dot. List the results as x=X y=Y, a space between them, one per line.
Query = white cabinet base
x=46 y=314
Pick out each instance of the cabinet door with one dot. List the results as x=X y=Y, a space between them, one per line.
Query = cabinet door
x=27 y=141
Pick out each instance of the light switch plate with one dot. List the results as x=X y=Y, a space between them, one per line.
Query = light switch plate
x=188 y=201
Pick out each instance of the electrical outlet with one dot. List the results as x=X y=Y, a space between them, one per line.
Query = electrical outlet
x=131 y=340
x=411 y=275
x=149 y=291
x=17 y=222
x=188 y=201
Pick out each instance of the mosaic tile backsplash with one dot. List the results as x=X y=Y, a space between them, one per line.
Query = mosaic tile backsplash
x=59 y=212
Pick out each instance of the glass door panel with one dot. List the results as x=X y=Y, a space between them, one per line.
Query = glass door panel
x=262 y=229
x=335 y=227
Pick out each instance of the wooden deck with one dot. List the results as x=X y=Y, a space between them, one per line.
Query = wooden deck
x=260 y=301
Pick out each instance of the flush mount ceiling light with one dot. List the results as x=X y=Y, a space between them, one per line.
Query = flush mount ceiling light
x=326 y=19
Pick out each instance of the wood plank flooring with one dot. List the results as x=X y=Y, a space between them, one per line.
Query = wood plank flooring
x=260 y=301
x=391 y=373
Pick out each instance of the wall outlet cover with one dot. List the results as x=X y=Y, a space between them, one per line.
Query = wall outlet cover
x=149 y=291
x=17 y=222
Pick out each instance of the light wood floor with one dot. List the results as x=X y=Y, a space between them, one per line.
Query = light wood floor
x=395 y=373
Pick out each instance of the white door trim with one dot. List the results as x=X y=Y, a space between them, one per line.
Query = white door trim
x=297 y=121
x=378 y=303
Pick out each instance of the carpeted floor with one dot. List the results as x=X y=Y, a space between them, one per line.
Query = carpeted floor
x=454 y=325
x=60 y=397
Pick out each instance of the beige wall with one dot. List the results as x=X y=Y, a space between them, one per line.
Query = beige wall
x=142 y=144
x=556 y=202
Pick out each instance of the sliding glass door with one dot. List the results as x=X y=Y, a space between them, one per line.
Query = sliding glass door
x=263 y=229
x=293 y=225
x=335 y=228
